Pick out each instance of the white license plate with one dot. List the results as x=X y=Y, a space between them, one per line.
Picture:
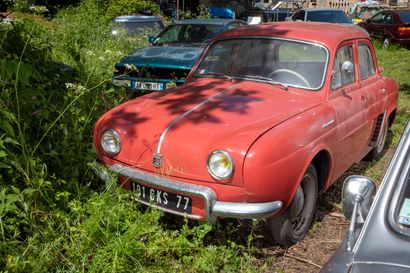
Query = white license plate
x=161 y=198
x=148 y=86
x=118 y=82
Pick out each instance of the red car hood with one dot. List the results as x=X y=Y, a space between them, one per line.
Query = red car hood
x=199 y=118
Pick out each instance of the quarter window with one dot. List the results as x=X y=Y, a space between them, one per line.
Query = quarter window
x=343 y=71
x=366 y=64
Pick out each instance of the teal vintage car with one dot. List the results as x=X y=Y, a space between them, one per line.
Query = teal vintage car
x=172 y=53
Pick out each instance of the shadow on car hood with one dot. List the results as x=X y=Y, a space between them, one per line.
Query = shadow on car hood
x=161 y=56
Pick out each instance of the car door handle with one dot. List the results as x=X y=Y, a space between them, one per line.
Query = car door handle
x=364 y=100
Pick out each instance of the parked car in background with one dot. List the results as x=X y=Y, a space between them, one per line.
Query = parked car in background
x=378 y=239
x=169 y=59
x=391 y=26
x=137 y=24
x=364 y=10
x=269 y=116
x=328 y=15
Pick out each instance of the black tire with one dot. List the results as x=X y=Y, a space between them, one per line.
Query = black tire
x=377 y=151
x=292 y=226
x=386 y=42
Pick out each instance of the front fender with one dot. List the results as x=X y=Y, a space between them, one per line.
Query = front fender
x=277 y=161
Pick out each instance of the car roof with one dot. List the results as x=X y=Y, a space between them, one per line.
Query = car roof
x=136 y=18
x=211 y=21
x=316 y=32
x=322 y=9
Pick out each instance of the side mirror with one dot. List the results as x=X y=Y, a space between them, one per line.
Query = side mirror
x=358 y=191
x=151 y=39
x=381 y=69
x=348 y=67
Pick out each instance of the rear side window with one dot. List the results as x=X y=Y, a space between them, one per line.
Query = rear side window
x=378 y=17
x=366 y=64
x=343 y=71
x=387 y=19
x=404 y=16
x=328 y=16
x=299 y=16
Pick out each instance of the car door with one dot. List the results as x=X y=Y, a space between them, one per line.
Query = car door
x=348 y=101
x=373 y=24
x=386 y=26
x=372 y=87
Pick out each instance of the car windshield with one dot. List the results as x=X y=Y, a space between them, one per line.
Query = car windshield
x=404 y=16
x=188 y=34
x=330 y=16
x=132 y=28
x=366 y=13
x=275 y=61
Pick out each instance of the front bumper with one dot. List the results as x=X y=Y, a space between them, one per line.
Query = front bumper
x=213 y=207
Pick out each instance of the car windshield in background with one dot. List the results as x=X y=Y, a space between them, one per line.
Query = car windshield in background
x=404 y=16
x=138 y=27
x=188 y=34
x=329 y=16
x=283 y=62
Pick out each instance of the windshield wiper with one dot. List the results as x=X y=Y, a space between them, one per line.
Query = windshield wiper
x=217 y=74
x=267 y=79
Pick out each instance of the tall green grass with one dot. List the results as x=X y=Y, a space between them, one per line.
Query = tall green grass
x=55 y=216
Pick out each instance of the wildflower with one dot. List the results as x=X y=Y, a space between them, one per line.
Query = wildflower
x=69 y=85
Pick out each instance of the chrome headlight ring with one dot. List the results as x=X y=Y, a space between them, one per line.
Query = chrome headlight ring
x=110 y=142
x=220 y=165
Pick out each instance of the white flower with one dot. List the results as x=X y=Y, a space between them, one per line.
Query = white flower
x=69 y=85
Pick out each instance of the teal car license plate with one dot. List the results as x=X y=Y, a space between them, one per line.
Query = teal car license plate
x=155 y=86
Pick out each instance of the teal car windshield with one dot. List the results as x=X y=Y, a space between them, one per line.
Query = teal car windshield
x=277 y=61
x=188 y=34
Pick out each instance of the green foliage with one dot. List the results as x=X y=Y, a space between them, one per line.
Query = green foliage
x=202 y=13
x=124 y=7
x=54 y=84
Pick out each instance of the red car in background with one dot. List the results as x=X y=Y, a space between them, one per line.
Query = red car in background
x=269 y=116
x=391 y=26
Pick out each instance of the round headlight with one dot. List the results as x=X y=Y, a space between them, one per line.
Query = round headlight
x=111 y=142
x=220 y=165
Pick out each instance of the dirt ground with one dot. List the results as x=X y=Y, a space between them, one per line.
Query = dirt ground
x=325 y=235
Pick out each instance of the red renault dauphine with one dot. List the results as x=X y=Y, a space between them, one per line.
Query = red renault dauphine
x=269 y=116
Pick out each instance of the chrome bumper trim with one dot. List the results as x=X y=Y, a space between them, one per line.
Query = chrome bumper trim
x=213 y=208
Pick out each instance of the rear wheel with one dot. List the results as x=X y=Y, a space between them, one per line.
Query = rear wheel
x=386 y=42
x=292 y=226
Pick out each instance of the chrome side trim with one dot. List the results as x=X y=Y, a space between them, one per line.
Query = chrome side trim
x=384 y=120
x=172 y=124
x=213 y=208
x=327 y=124
x=382 y=263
